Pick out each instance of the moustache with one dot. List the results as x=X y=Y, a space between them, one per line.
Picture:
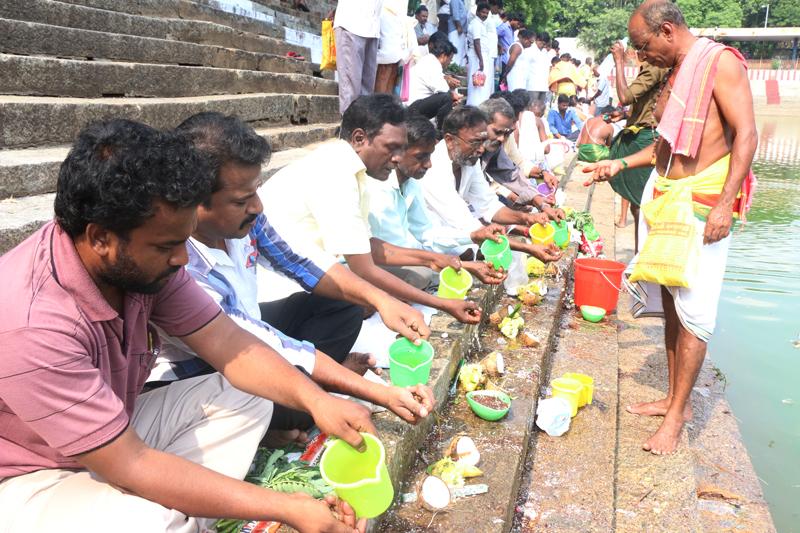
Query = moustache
x=248 y=220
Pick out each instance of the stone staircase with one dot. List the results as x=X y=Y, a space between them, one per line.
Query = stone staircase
x=67 y=63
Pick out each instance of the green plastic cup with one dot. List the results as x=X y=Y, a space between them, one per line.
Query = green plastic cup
x=483 y=411
x=499 y=253
x=360 y=479
x=454 y=285
x=590 y=232
x=561 y=236
x=409 y=364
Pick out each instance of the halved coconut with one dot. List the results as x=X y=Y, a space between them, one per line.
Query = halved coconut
x=529 y=340
x=433 y=494
x=499 y=315
x=493 y=364
x=462 y=449
x=530 y=299
x=551 y=270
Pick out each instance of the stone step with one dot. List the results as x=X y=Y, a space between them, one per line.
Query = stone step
x=30 y=121
x=503 y=444
x=268 y=39
x=19 y=217
x=93 y=79
x=34 y=171
x=29 y=38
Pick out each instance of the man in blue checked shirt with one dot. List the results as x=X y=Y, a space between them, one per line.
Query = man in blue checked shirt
x=232 y=237
x=562 y=119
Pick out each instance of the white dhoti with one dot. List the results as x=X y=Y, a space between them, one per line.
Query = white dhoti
x=478 y=95
x=696 y=307
x=460 y=42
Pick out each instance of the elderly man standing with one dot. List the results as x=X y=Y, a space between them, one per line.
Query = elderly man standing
x=708 y=138
x=358 y=28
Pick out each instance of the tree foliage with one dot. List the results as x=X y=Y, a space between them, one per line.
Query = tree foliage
x=712 y=13
x=537 y=12
x=605 y=29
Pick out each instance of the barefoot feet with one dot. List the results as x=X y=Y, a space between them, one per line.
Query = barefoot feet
x=659 y=408
x=276 y=438
x=665 y=440
x=621 y=223
x=361 y=362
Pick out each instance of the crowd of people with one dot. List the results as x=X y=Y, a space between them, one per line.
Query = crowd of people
x=141 y=365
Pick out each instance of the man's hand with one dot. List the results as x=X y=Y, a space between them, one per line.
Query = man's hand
x=480 y=65
x=546 y=253
x=502 y=49
x=404 y=319
x=485 y=272
x=458 y=27
x=554 y=213
x=718 y=224
x=618 y=51
x=402 y=402
x=602 y=170
x=456 y=98
x=463 y=311
x=441 y=261
x=331 y=15
x=550 y=180
x=330 y=515
x=452 y=82
x=489 y=232
x=616 y=116
x=536 y=218
x=343 y=419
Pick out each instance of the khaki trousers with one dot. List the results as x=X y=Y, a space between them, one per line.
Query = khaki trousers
x=203 y=419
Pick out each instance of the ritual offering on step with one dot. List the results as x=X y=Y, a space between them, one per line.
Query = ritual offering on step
x=433 y=494
x=489 y=405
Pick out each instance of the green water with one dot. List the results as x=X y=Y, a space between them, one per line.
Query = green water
x=759 y=317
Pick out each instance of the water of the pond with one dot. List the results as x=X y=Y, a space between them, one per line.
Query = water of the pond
x=759 y=322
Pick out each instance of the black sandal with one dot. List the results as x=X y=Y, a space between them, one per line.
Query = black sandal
x=303 y=7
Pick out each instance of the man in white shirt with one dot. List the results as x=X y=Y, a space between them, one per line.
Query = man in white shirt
x=456 y=178
x=232 y=237
x=539 y=68
x=322 y=199
x=357 y=27
x=429 y=93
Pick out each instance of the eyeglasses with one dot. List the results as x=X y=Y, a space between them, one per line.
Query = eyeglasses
x=473 y=145
x=641 y=50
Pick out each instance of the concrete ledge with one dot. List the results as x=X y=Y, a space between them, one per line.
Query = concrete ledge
x=29 y=38
x=39 y=121
x=35 y=172
x=503 y=444
x=89 y=79
x=269 y=39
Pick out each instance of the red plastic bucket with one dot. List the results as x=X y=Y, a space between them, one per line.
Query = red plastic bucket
x=597 y=282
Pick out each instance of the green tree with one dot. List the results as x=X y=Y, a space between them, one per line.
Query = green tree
x=712 y=13
x=603 y=30
x=538 y=12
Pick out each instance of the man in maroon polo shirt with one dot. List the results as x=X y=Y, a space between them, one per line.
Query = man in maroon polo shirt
x=80 y=449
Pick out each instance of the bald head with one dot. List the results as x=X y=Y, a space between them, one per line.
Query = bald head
x=656 y=12
x=538 y=108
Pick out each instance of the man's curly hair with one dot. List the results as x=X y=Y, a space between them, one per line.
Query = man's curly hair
x=118 y=169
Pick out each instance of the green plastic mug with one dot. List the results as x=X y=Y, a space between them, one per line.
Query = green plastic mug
x=454 y=285
x=561 y=236
x=360 y=479
x=499 y=253
x=410 y=364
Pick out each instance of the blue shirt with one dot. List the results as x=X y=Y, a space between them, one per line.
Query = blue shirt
x=399 y=215
x=563 y=125
x=605 y=92
x=457 y=13
x=505 y=37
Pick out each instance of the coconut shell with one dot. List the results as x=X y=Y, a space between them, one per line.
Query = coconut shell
x=493 y=364
x=529 y=340
x=432 y=483
x=463 y=442
x=551 y=270
x=530 y=299
x=499 y=315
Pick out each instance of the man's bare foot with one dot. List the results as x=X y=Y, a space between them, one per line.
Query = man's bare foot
x=659 y=408
x=621 y=223
x=361 y=362
x=278 y=438
x=665 y=440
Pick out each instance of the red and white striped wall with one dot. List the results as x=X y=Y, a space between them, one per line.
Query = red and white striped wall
x=780 y=75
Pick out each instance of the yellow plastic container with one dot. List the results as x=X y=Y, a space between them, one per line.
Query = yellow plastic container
x=570 y=390
x=542 y=234
x=360 y=479
x=587 y=392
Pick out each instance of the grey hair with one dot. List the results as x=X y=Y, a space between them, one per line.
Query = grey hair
x=497 y=105
x=655 y=13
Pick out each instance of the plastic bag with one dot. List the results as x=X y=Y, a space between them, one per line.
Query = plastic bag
x=517 y=273
x=553 y=416
x=670 y=255
x=328 y=46
x=478 y=79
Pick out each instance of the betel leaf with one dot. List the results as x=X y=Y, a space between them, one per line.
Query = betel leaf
x=515 y=311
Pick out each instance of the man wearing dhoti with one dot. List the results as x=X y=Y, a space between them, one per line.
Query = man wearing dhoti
x=700 y=184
